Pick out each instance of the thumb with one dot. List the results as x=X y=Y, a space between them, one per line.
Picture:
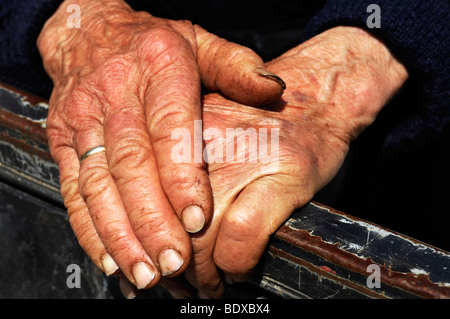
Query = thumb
x=236 y=71
x=248 y=223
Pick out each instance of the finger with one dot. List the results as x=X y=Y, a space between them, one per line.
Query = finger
x=108 y=214
x=202 y=272
x=178 y=288
x=247 y=225
x=236 y=71
x=78 y=214
x=133 y=166
x=127 y=289
x=172 y=105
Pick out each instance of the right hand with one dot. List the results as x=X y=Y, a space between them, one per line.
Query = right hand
x=126 y=80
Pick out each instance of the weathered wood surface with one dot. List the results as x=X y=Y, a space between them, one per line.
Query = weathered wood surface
x=325 y=253
x=318 y=253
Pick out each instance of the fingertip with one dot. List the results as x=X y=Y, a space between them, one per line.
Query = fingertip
x=193 y=219
x=249 y=85
x=264 y=88
x=247 y=225
x=128 y=290
x=189 y=191
x=240 y=243
x=143 y=274
x=236 y=71
x=109 y=265
x=170 y=262
x=271 y=76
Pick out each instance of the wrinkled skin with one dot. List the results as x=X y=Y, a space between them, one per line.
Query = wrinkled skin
x=125 y=204
x=126 y=80
x=337 y=83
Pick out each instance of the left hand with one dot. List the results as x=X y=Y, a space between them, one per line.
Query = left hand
x=337 y=82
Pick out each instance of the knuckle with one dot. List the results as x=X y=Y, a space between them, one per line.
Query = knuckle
x=77 y=111
x=118 y=244
x=179 y=176
x=242 y=225
x=88 y=243
x=113 y=72
x=209 y=281
x=168 y=118
x=115 y=64
x=159 y=41
x=152 y=227
x=126 y=154
x=70 y=194
x=173 y=113
x=93 y=183
x=164 y=49
x=242 y=232
x=53 y=122
x=84 y=232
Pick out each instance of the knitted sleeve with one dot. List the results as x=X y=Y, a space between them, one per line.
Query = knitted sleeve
x=418 y=34
x=20 y=24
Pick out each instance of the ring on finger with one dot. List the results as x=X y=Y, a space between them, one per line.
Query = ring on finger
x=93 y=151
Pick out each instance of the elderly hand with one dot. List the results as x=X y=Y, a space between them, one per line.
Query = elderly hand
x=125 y=80
x=337 y=82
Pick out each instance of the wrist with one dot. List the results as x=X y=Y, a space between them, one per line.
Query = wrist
x=375 y=77
x=351 y=74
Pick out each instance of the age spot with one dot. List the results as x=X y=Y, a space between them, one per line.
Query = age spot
x=299 y=97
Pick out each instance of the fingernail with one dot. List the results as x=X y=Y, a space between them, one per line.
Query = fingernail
x=109 y=265
x=271 y=76
x=143 y=274
x=169 y=262
x=193 y=219
x=127 y=289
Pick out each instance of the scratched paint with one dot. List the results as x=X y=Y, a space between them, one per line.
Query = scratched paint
x=22 y=107
x=354 y=244
x=327 y=269
x=373 y=233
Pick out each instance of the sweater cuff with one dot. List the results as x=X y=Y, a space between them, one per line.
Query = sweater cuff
x=22 y=25
x=23 y=21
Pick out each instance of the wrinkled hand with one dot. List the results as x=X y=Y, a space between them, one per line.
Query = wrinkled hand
x=126 y=80
x=337 y=82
